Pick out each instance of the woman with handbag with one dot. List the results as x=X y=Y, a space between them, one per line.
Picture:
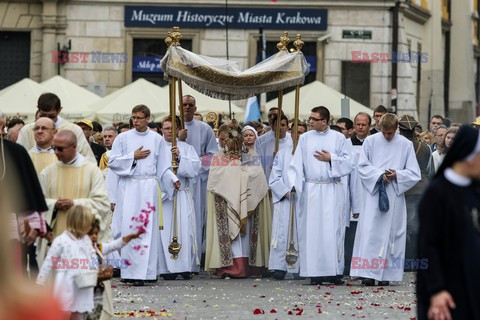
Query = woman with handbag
x=70 y=256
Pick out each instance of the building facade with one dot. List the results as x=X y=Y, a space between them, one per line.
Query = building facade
x=418 y=56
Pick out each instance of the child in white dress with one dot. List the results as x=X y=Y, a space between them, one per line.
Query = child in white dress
x=69 y=255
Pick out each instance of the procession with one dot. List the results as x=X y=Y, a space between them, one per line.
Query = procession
x=288 y=199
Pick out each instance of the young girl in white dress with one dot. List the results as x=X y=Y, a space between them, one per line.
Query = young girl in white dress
x=69 y=255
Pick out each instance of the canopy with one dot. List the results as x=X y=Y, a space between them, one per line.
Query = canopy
x=75 y=99
x=117 y=106
x=223 y=79
x=21 y=98
x=207 y=104
x=318 y=94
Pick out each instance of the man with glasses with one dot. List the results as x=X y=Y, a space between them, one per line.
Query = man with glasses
x=141 y=164
x=321 y=159
x=49 y=106
x=202 y=138
x=435 y=121
x=72 y=180
x=42 y=153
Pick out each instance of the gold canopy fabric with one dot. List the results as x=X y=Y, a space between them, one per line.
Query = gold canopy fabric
x=223 y=79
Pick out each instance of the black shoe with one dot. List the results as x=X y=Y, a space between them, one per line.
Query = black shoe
x=186 y=275
x=138 y=283
x=151 y=281
x=116 y=273
x=279 y=274
x=383 y=283
x=368 y=282
x=296 y=276
x=316 y=280
x=169 y=276
x=336 y=280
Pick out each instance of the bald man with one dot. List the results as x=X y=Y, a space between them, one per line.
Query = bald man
x=72 y=180
x=42 y=153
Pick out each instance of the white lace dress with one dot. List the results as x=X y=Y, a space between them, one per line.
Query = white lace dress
x=66 y=256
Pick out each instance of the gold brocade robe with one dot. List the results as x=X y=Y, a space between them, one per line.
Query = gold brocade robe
x=42 y=160
x=82 y=182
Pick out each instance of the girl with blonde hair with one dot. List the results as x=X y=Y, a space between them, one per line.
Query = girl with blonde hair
x=70 y=256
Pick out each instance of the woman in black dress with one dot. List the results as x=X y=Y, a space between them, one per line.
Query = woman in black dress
x=449 y=235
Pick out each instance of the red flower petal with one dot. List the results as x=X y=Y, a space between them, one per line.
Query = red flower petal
x=356 y=292
x=258 y=311
x=376 y=304
x=407 y=309
x=254 y=285
x=328 y=293
x=128 y=262
x=273 y=311
x=359 y=308
x=319 y=310
x=348 y=284
x=299 y=312
x=290 y=312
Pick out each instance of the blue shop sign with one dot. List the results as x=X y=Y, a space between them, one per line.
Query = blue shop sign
x=146 y=64
x=237 y=18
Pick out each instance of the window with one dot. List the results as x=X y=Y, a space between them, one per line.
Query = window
x=309 y=51
x=14 y=57
x=356 y=81
x=147 y=54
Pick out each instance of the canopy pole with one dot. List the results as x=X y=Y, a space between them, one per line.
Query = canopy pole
x=291 y=256
x=281 y=46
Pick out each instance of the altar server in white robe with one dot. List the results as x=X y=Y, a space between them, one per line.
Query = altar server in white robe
x=202 y=138
x=266 y=148
x=281 y=197
x=137 y=159
x=188 y=168
x=387 y=166
x=322 y=157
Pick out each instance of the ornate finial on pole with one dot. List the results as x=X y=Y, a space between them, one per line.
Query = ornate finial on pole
x=173 y=38
x=298 y=43
x=284 y=41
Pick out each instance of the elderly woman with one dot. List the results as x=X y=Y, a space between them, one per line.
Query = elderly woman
x=249 y=137
x=449 y=235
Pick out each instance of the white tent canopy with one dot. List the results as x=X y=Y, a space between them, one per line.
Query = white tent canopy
x=117 y=106
x=318 y=94
x=75 y=99
x=21 y=98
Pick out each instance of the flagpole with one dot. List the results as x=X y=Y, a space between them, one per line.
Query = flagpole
x=226 y=43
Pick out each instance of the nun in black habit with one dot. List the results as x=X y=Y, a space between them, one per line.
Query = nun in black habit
x=449 y=235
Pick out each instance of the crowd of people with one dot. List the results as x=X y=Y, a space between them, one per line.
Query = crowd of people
x=326 y=202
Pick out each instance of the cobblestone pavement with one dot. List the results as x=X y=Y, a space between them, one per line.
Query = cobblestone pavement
x=206 y=297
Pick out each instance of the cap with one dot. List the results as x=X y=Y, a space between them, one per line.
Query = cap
x=477 y=122
x=86 y=122
x=407 y=122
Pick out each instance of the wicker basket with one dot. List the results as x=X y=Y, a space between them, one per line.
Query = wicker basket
x=86 y=279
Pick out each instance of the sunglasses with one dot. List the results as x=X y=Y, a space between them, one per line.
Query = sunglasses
x=60 y=149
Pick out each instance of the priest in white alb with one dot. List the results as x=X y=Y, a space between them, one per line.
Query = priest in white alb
x=137 y=159
x=202 y=138
x=388 y=168
x=322 y=157
x=281 y=197
x=188 y=168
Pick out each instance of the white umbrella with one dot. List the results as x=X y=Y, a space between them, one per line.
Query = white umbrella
x=21 y=98
x=75 y=99
x=117 y=106
x=318 y=94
